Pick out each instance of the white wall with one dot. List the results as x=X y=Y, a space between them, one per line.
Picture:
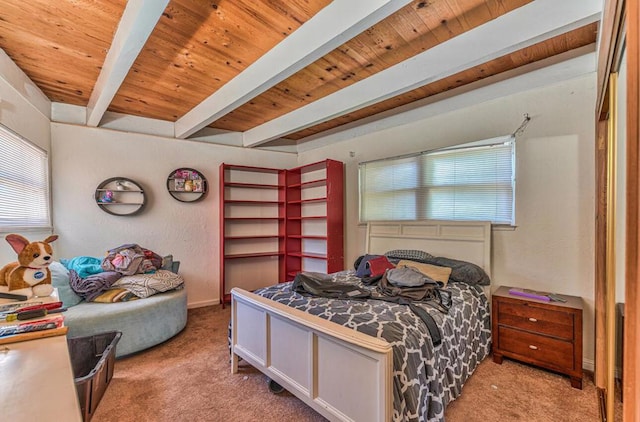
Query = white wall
x=23 y=109
x=552 y=247
x=83 y=157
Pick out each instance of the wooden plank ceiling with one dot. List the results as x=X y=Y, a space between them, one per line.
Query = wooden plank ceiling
x=197 y=47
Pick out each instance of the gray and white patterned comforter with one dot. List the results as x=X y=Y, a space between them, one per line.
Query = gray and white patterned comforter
x=432 y=377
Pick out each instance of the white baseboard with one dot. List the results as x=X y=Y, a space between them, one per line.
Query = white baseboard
x=203 y=303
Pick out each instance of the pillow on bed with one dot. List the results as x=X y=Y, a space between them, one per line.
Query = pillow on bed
x=145 y=285
x=167 y=262
x=463 y=271
x=435 y=272
x=60 y=280
x=410 y=254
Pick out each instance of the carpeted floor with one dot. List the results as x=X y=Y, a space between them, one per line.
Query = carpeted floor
x=188 y=378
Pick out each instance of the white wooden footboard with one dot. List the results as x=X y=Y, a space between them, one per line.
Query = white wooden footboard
x=343 y=374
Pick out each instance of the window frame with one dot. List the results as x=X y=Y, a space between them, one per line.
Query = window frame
x=420 y=207
x=41 y=187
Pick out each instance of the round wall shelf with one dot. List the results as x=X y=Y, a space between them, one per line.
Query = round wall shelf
x=187 y=185
x=120 y=196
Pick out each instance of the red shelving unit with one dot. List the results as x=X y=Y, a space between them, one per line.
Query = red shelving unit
x=252 y=219
x=276 y=223
x=314 y=218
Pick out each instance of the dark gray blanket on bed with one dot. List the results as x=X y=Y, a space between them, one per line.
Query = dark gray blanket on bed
x=432 y=377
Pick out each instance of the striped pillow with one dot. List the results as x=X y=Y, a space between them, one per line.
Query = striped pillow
x=410 y=254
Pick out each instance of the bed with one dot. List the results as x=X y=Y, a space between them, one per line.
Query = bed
x=371 y=360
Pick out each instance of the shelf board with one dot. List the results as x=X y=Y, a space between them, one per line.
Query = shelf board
x=185 y=191
x=121 y=190
x=304 y=201
x=297 y=236
x=252 y=169
x=119 y=203
x=252 y=185
x=253 y=255
x=309 y=184
x=265 y=236
x=307 y=255
x=251 y=202
x=309 y=217
x=252 y=218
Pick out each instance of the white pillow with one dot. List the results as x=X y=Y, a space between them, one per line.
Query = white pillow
x=145 y=285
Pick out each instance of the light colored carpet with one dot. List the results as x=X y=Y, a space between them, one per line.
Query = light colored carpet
x=188 y=378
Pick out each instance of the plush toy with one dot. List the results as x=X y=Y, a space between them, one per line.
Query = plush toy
x=107 y=196
x=30 y=275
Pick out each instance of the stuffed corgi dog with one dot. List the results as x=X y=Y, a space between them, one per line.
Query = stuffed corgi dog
x=30 y=275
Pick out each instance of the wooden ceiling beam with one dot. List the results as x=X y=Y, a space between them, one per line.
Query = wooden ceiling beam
x=334 y=25
x=527 y=25
x=138 y=21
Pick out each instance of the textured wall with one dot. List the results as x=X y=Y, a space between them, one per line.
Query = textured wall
x=83 y=157
x=552 y=246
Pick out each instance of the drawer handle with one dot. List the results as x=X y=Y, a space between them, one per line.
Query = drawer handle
x=533 y=320
x=532 y=347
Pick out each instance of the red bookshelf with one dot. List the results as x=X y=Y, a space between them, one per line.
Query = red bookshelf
x=252 y=237
x=276 y=222
x=315 y=204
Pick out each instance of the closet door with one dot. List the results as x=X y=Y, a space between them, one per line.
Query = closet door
x=617 y=247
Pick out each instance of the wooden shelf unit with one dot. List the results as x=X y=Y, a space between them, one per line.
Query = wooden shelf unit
x=252 y=237
x=546 y=334
x=127 y=197
x=186 y=184
x=276 y=222
x=314 y=218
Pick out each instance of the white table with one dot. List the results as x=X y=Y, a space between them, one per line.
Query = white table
x=36 y=379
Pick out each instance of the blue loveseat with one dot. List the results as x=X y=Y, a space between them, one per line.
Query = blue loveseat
x=143 y=323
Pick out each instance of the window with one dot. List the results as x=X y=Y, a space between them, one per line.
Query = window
x=24 y=184
x=471 y=182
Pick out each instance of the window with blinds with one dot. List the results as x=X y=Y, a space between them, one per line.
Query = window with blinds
x=24 y=184
x=470 y=182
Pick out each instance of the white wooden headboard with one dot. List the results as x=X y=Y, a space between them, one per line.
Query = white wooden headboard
x=464 y=240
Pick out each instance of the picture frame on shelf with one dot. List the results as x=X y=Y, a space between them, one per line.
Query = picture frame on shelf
x=178 y=184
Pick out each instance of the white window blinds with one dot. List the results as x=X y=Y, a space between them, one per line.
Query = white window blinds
x=463 y=183
x=24 y=184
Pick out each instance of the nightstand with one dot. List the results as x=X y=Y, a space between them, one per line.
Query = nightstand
x=545 y=334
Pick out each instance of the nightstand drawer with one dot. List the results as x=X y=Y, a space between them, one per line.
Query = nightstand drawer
x=531 y=318
x=542 y=349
